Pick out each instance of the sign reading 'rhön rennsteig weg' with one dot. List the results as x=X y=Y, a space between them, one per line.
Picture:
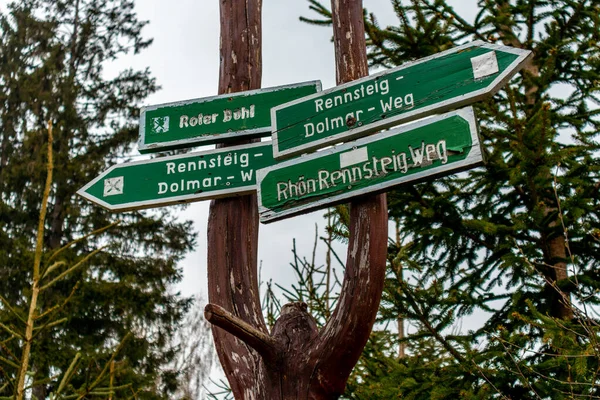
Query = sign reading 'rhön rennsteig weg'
x=432 y=147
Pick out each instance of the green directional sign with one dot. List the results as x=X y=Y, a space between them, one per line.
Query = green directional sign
x=184 y=178
x=432 y=147
x=215 y=119
x=445 y=81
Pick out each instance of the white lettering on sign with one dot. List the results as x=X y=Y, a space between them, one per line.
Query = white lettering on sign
x=329 y=124
x=407 y=102
x=207 y=162
x=377 y=87
x=239 y=113
x=190 y=121
x=350 y=173
x=192 y=185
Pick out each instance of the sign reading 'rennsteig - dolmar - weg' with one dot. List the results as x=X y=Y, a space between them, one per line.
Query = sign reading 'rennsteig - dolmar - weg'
x=442 y=82
x=225 y=172
x=432 y=147
x=215 y=119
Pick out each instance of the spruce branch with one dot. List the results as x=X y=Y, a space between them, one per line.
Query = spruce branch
x=92 y=387
x=35 y=290
x=11 y=309
x=73 y=268
x=57 y=252
x=58 y=307
x=68 y=374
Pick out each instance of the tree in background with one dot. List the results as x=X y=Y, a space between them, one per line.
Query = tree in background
x=514 y=244
x=195 y=355
x=52 y=58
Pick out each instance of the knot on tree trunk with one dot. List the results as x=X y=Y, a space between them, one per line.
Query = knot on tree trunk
x=295 y=328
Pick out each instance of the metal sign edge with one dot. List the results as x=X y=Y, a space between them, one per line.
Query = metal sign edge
x=202 y=140
x=200 y=100
x=140 y=205
x=474 y=158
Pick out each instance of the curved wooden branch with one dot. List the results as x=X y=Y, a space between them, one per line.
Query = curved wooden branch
x=344 y=336
x=264 y=344
x=296 y=361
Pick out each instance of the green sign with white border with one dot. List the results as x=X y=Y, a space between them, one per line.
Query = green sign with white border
x=431 y=147
x=215 y=119
x=225 y=172
x=444 y=81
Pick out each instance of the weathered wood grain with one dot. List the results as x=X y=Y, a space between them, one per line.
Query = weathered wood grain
x=296 y=361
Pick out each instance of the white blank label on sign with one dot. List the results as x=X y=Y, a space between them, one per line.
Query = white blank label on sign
x=484 y=65
x=353 y=157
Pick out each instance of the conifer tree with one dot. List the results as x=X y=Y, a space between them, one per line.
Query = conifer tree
x=515 y=242
x=52 y=59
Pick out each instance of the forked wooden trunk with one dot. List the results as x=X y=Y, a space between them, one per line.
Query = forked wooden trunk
x=296 y=360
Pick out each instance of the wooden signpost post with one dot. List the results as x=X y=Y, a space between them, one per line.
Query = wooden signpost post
x=296 y=360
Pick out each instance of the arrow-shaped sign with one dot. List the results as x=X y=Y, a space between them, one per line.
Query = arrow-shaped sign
x=184 y=178
x=447 y=80
x=424 y=149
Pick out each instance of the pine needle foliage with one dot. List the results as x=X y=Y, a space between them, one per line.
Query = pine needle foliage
x=53 y=58
x=513 y=245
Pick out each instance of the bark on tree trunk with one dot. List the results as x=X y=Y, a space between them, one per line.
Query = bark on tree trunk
x=296 y=360
x=233 y=222
x=555 y=249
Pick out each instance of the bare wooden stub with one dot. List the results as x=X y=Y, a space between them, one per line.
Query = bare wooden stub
x=296 y=360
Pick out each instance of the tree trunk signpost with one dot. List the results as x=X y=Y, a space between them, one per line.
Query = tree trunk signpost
x=297 y=360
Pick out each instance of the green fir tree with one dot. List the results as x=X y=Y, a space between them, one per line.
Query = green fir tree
x=52 y=59
x=514 y=244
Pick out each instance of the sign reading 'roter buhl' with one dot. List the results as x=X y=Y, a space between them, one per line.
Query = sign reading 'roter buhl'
x=447 y=80
x=215 y=119
x=184 y=178
x=425 y=149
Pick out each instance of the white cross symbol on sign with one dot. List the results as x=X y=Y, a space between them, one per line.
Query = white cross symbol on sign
x=113 y=186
